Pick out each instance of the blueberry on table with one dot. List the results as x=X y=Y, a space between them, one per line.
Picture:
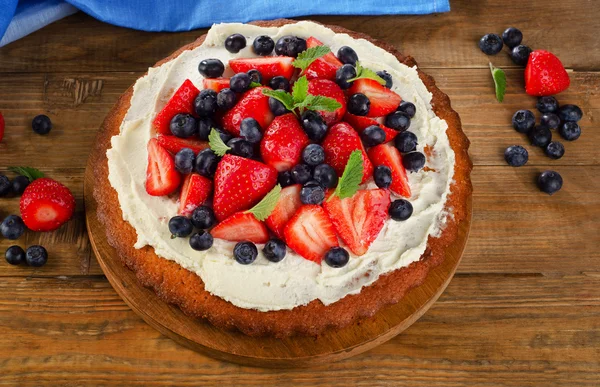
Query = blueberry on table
x=347 y=55
x=372 y=135
x=382 y=175
x=408 y=108
x=358 y=104
x=250 y=130
x=570 y=131
x=301 y=173
x=211 y=68
x=413 y=161
x=570 y=113
x=398 y=121
x=19 y=184
x=263 y=45
x=547 y=104
x=255 y=76
x=201 y=241
x=241 y=147
x=387 y=77
x=285 y=178
x=180 y=227
x=290 y=46
x=203 y=217
x=226 y=99
x=400 y=209
x=555 y=150
x=312 y=193
x=314 y=126
x=337 y=257
x=540 y=136
x=279 y=83
x=183 y=125
x=516 y=156
x=520 y=55
x=239 y=82
x=406 y=142
x=234 y=43
x=245 y=252
x=313 y=154
x=15 y=255
x=41 y=124
x=343 y=74
x=490 y=44
x=184 y=161
x=523 y=121
x=274 y=250
x=12 y=227
x=206 y=163
x=36 y=256
x=325 y=175
x=277 y=108
x=550 y=121
x=550 y=182
x=512 y=37
x=205 y=103
x=205 y=125
x=5 y=185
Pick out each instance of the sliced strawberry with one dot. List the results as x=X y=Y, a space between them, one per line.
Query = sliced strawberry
x=383 y=100
x=161 y=176
x=217 y=84
x=310 y=233
x=287 y=205
x=174 y=144
x=253 y=104
x=360 y=123
x=329 y=89
x=46 y=205
x=240 y=183
x=388 y=155
x=269 y=66
x=545 y=74
x=325 y=66
x=283 y=142
x=359 y=219
x=194 y=191
x=339 y=143
x=181 y=102
x=241 y=226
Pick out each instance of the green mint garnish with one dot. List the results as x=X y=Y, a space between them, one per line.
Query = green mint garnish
x=264 y=208
x=301 y=100
x=499 y=82
x=306 y=57
x=282 y=96
x=363 y=72
x=216 y=143
x=300 y=90
x=28 y=172
x=254 y=84
x=351 y=178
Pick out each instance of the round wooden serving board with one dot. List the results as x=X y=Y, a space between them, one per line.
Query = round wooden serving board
x=236 y=347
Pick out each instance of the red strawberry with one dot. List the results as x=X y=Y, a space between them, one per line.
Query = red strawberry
x=324 y=67
x=388 y=155
x=283 y=142
x=383 y=100
x=181 y=102
x=339 y=143
x=287 y=205
x=545 y=74
x=174 y=144
x=359 y=219
x=269 y=66
x=252 y=104
x=194 y=191
x=46 y=205
x=161 y=176
x=217 y=84
x=241 y=226
x=360 y=123
x=1 y=127
x=329 y=89
x=310 y=233
x=240 y=183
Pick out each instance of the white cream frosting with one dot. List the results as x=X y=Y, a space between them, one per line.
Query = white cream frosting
x=264 y=285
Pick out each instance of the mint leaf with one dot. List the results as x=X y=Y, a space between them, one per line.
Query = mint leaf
x=282 y=96
x=254 y=84
x=216 y=143
x=306 y=57
x=300 y=90
x=362 y=73
x=319 y=102
x=352 y=176
x=499 y=82
x=264 y=208
x=28 y=172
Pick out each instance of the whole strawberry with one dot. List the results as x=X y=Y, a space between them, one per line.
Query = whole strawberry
x=46 y=205
x=545 y=74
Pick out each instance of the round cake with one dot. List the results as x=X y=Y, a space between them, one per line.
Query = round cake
x=282 y=177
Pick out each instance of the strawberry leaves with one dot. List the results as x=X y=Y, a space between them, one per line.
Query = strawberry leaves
x=499 y=82
x=28 y=172
x=351 y=178
x=263 y=209
x=306 y=57
x=300 y=99
x=363 y=72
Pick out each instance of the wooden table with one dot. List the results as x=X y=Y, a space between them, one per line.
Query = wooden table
x=523 y=309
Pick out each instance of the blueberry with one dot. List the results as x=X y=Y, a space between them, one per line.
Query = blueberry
x=406 y=142
x=408 y=108
x=5 y=185
x=550 y=182
x=550 y=121
x=358 y=104
x=301 y=173
x=516 y=156
x=342 y=75
x=313 y=155
x=398 y=121
x=314 y=125
x=183 y=125
x=555 y=150
x=245 y=252
x=400 y=210
x=520 y=55
x=523 y=121
x=387 y=77
x=234 y=43
x=312 y=193
x=373 y=135
x=337 y=257
x=413 y=161
x=239 y=82
x=203 y=217
x=490 y=44
x=540 y=136
x=241 y=147
x=184 y=160
x=201 y=241
x=15 y=255
x=277 y=108
x=211 y=68
x=547 y=104
x=570 y=131
x=225 y=136
x=12 y=227
x=290 y=46
x=41 y=124
x=325 y=175
x=512 y=37
x=285 y=178
x=205 y=103
x=382 y=176
x=255 y=76
x=570 y=113
x=279 y=83
x=263 y=45
x=251 y=130
x=274 y=250
x=226 y=99
x=206 y=163
x=36 y=256
x=19 y=184
x=205 y=125
x=347 y=55
x=180 y=227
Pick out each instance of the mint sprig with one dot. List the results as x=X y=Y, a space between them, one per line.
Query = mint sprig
x=282 y=96
x=254 y=84
x=301 y=100
x=28 y=172
x=263 y=209
x=499 y=82
x=306 y=57
x=216 y=143
x=363 y=72
x=351 y=178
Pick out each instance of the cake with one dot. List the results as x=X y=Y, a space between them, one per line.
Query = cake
x=356 y=237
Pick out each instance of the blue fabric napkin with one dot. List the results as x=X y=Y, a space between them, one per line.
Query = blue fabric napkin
x=18 y=20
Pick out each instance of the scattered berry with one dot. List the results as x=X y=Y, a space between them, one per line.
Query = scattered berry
x=251 y=130
x=234 y=43
x=398 y=120
x=290 y=46
x=283 y=142
x=520 y=55
x=226 y=99
x=547 y=104
x=12 y=227
x=205 y=103
x=46 y=205
x=324 y=67
x=194 y=191
x=19 y=183
x=387 y=77
x=201 y=241
x=372 y=135
x=301 y=173
x=211 y=68
x=241 y=147
x=36 y=256
x=203 y=218
x=253 y=104
x=41 y=124
x=570 y=131
x=342 y=75
x=314 y=126
x=255 y=76
x=15 y=255
x=5 y=185
x=490 y=44
x=285 y=178
x=241 y=226
x=383 y=176
x=523 y=121
x=570 y=113
x=313 y=155
x=263 y=45
x=206 y=163
x=400 y=209
x=184 y=161
x=205 y=125
x=287 y=205
x=174 y=144
x=216 y=84
x=406 y=142
x=516 y=156
x=339 y=143
x=329 y=89
x=325 y=175
x=310 y=233
x=269 y=67
x=183 y=125
x=274 y=250
x=540 y=136
x=388 y=155
x=245 y=252
x=545 y=74
x=239 y=82
x=162 y=177
x=180 y=226
x=276 y=107
x=182 y=101
x=312 y=193
x=408 y=108
x=512 y=37
x=358 y=104
x=413 y=161
x=550 y=182
x=337 y=257
x=279 y=83
x=555 y=150
x=550 y=121
x=383 y=101
x=347 y=55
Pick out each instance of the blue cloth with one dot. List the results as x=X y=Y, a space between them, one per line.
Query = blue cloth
x=19 y=20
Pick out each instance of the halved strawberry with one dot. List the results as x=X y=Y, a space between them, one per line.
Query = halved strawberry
x=283 y=142
x=241 y=226
x=253 y=104
x=360 y=123
x=161 y=176
x=194 y=191
x=310 y=233
x=240 y=183
x=329 y=89
x=545 y=74
x=181 y=102
x=287 y=205
x=325 y=66
x=383 y=100
x=269 y=66
x=174 y=144
x=388 y=155
x=217 y=84
x=339 y=143
x=46 y=205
